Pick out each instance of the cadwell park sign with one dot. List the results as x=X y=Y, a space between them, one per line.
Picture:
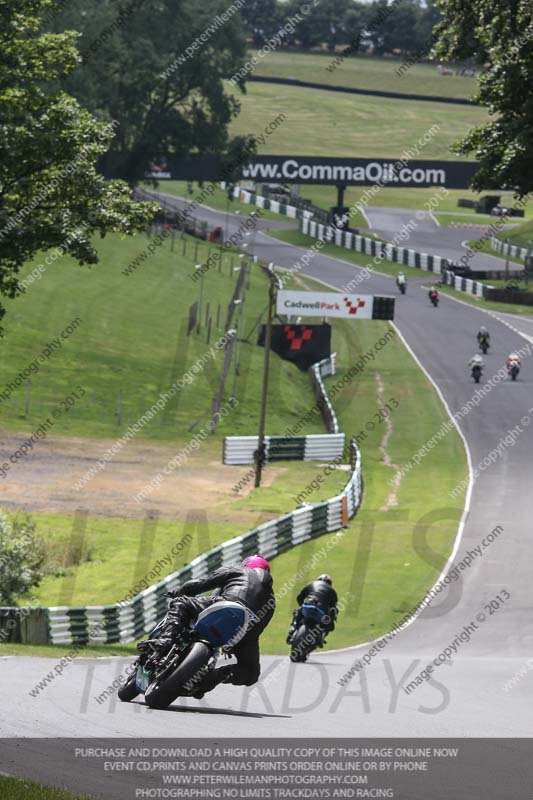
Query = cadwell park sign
x=334 y=304
x=319 y=170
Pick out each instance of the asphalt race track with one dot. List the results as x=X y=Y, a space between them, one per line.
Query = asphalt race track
x=466 y=696
x=423 y=233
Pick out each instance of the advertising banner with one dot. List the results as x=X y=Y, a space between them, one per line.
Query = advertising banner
x=334 y=304
x=320 y=170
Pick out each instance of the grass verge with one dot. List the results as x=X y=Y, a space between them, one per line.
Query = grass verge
x=522 y=235
x=15 y=789
x=131 y=340
x=371 y=127
x=363 y=72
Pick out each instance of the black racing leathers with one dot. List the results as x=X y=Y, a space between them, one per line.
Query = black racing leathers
x=318 y=593
x=251 y=587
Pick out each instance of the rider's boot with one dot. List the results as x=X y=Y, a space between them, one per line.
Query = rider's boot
x=213 y=678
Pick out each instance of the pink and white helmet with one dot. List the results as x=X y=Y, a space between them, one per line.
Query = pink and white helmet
x=256 y=562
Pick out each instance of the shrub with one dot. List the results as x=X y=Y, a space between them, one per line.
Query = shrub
x=22 y=556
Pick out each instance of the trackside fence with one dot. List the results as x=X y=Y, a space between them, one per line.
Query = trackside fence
x=314 y=447
x=130 y=619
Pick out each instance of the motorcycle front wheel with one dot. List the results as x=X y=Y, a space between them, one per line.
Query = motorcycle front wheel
x=129 y=691
x=161 y=694
x=300 y=650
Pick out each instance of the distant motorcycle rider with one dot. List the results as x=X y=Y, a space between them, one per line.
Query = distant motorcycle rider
x=401 y=281
x=319 y=594
x=476 y=365
x=476 y=361
x=513 y=364
x=483 y=338
x=483 y=335
x=249 y=584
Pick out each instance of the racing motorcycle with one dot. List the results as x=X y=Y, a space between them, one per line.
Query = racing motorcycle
x=194 y=654
x=310 y=634
x=434 y=297
x=477 y=372
x=514 y=371
x=484 y=345
x=402 y=286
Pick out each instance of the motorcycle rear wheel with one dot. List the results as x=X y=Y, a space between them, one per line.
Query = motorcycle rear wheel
x=161 y=694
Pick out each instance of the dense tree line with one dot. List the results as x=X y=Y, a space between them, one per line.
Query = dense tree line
x=500 y=35
x=144 y=63
x=406 y=26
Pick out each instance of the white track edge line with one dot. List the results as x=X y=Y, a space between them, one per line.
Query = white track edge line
x=468 y=498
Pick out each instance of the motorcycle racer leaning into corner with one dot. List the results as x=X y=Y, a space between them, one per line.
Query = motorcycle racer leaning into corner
x=317 y=593
x=248 y=583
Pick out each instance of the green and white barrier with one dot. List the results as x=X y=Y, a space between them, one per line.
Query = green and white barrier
x=475 y=288
x=132 y=618
x=314 y=447
x=324 y=369
x=373 y=247
x=259 y=201
x=506 y=249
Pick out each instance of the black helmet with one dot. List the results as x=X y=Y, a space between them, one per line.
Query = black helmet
x=326 y=578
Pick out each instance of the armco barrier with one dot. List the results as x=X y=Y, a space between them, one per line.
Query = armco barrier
x=506 y=249
x=249 y=198
x=241 y=449
x=398 y=255
x=314 y=447
x=373 y=247
x=130 y=619
x=475 y=288
x=317 y=372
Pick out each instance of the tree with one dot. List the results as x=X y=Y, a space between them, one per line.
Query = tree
x=157 y=66
x=51 y=194
x=22 y=556
x=262 y=19
x=394 y=27
x=501 y=35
